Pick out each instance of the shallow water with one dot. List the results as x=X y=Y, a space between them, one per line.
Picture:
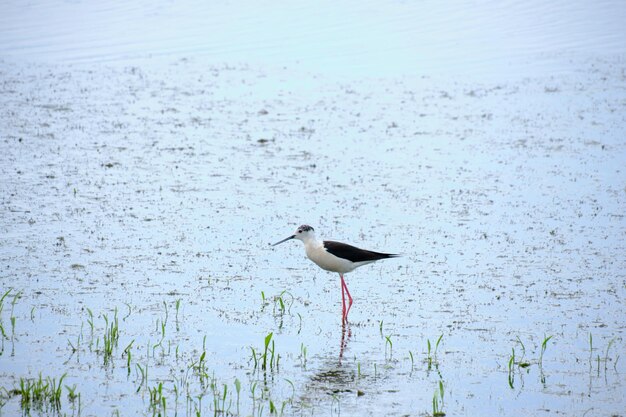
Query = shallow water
x=142 y=183
x=141 y=189
x=372 y=38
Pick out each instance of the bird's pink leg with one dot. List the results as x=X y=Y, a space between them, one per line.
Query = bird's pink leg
x=343 y=301
x=344 y=287
x=349 y=298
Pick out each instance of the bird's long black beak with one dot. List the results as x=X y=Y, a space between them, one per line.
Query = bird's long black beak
x=284 y=240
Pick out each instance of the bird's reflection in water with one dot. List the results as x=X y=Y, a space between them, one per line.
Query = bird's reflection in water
x=335 y=376
x=346 y=333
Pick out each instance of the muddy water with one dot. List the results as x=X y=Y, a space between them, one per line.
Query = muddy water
x=133 y=188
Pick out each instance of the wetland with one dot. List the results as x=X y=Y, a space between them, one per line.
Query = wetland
x=139 y=198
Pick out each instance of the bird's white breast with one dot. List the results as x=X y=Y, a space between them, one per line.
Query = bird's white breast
x=328 y=261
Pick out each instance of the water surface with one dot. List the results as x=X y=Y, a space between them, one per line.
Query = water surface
x=151 y=152
x=387 y=38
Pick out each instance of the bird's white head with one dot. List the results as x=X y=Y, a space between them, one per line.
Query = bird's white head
x=304 y=233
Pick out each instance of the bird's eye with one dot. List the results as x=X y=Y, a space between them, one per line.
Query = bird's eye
x=299 y=231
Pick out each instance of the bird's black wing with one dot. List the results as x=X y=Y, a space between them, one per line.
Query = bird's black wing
x=354 y=254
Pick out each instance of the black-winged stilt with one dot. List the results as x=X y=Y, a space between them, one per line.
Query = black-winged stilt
x=335 y=257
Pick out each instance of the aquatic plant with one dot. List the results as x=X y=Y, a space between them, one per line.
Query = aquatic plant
x=438 y=401
x=144 y=375
x=167 y=314
x=129 y=355
x=303 y=351
x=3 y=334
x=521 y=363
x=16 y=297
x=606 y=355
x=111 y=336
x=268 y=338
x=40 y=393
x=293 y=390
x=283 y=304
x=201 y=369
x=90 y=322
x=161 y=326
x=544 y=345
x=254 y=357
x=268 y=357
x=606 y=358
x=160 y=342
x=389 y=343
x=128 y=306
x=238 y=390
x=78 y=339
x=511 y=368
x=72 y=395
x=432 y=353
x=5 y=295
x=299 y=322
x=158 y=401
x=219 y=398
x=253 y=391
x=177 y=305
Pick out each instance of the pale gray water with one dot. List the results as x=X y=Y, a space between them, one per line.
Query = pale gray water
x=129 y=182
x=387 y=38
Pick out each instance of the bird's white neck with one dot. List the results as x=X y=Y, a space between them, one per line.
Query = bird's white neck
x=311 y=241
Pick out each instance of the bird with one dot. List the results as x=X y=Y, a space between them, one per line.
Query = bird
x=336 y=257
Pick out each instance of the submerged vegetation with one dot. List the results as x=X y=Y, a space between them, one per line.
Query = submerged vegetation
x=517 y=363
x=431 y=353
x=12 y=319
x=191 y=388
x=438 y=403
x=44 y=395
x=138 y=201
x=198 y=390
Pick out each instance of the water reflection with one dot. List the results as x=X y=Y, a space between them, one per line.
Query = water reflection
x=333 y=377
x=346 y=333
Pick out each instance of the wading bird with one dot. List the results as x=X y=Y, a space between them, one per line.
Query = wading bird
x=335 y=257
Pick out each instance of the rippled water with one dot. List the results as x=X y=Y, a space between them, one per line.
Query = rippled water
x=354 y=37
